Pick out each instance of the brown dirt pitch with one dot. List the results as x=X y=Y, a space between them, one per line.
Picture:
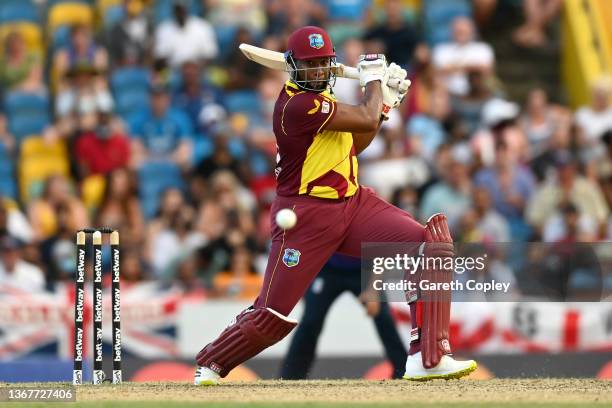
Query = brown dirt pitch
x=546 y=392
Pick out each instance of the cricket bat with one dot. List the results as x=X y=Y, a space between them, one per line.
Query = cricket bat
x=276 y=60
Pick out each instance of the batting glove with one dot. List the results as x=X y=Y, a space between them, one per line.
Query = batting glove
x=371 y=67
x=395 y=87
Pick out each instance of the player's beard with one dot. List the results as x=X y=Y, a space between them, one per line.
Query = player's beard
x=319 y=84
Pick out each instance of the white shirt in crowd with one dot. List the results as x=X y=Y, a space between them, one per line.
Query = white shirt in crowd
x=25 y=276
x=594 y=124
x=195 y=40
x=472 y=54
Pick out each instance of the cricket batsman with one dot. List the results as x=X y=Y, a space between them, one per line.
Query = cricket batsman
x=318 y=143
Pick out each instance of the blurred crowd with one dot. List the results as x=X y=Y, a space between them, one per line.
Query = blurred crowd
x=143 y=116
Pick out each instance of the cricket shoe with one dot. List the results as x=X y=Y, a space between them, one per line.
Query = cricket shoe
x=446 y=369
x=205 y=376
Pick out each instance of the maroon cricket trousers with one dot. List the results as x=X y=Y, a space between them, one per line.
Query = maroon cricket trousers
x=324 y=227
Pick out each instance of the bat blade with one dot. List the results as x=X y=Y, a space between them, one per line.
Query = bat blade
x=276 y=60
x=267 y=58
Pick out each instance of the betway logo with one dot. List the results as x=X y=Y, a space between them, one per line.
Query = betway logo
x=117 y=306
x=79 y=345
x=80 y=301
x=98 y=266
x=98 y=309
x=81 y=266
x=99 y=345
x=116 y=266
x=117 y=345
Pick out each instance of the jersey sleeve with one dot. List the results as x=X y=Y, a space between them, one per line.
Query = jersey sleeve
x=307 y=113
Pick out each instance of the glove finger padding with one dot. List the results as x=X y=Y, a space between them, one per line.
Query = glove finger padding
x=372 y=67
x=439 y=253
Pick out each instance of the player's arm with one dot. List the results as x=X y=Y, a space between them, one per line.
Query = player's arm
x=363 y=118
x=363 y=140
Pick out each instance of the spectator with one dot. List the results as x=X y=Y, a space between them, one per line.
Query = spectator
x=425 y=82
x=103 y=148
x=509 y=184
x=499 y=126
x=469 y=106
x=538 y=13
x=129 y=40
x=186 y=274
x=426 y=131
x=605 y=168
x=570 y=187
x=544 y=164
x=13 y=222
x=540 y=120
x=453 y=60
x=80 y=51
x=451 y=195
x=120 y=208
x=242 y=73
x=595 y=119
x=161 y=132
x=58 y=252
x=407 y=199
x=194 y=94
x=16 y=272
x=348 y=90
x=78 y=103
x=248 y=14
x=133 y=269
x=285 y=16
x=482 y=223
x=185 y=38
x=568 y=225
x=174 y=242
x=20 y=69
x=42 y=212
x=7 y=140
x=394 y=36
x=221 y=159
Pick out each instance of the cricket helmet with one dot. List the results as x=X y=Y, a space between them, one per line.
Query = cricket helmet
x=310 y=42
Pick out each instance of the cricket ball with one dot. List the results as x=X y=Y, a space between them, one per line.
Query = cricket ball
x=286 y=218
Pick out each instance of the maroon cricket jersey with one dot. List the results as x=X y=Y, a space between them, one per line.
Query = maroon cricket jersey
x=311 y=160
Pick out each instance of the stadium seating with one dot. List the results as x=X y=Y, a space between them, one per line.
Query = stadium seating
x=27 y=113
x=162 y=9
x=242 y=101
x=203 y=147
x=31 y=33
x=7 y=175
x=112 y=15
x=153 y=179
x=39 y=160
x=18 y=11
x=130 y=87
x=69 y=13
x=130 y=78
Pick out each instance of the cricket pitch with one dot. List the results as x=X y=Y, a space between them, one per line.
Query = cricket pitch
x=545 y=392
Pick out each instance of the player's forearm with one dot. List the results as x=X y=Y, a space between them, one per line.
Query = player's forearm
x=363 y=140
x=373 y=102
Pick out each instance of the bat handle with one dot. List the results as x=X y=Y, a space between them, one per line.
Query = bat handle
x=353 y=73
x=350 y=72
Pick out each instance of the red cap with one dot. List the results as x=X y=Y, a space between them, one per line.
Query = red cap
x=310 y=42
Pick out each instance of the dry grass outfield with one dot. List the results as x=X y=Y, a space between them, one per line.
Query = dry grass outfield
x=496 y=392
